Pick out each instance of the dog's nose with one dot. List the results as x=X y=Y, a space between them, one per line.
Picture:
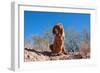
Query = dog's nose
x=59 y=35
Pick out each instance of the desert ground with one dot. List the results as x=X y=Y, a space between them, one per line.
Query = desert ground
x=39 y=55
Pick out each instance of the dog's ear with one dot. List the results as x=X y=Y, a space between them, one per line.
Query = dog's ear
x=55 y=30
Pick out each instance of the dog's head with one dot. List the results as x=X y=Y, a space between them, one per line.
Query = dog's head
x=58 y=29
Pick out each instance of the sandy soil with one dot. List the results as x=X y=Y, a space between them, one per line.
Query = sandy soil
x=36 y=55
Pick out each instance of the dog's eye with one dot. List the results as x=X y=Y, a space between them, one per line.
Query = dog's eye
x=61 y=31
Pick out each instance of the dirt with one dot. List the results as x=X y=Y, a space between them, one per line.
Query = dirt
x=36 y=55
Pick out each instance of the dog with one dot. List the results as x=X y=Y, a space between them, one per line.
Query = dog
x=58 y=45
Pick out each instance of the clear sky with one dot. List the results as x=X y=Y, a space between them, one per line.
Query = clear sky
x=36 y=23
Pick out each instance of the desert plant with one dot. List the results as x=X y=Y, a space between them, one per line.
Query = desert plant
x=86 y=36
x=85 y=44
x=41 y=43
x=72 y=40
x=28 y=44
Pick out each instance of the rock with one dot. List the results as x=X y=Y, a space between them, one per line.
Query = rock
x=34 y=55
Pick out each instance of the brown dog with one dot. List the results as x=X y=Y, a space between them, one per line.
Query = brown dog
x=58 y=46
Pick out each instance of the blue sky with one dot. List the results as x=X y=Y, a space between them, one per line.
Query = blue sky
x=36 y=23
